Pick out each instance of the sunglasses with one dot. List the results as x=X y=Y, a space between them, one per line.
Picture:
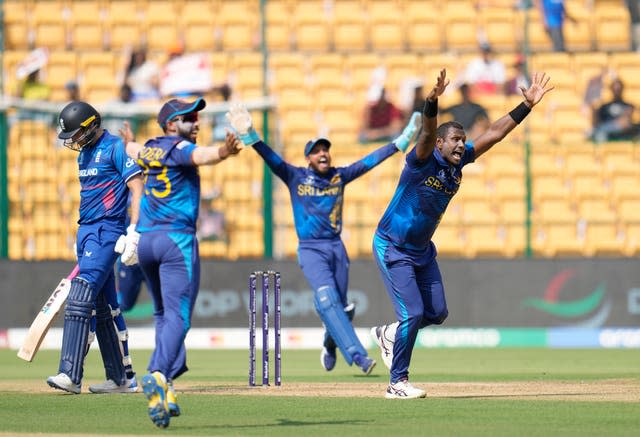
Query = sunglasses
x=191 y=117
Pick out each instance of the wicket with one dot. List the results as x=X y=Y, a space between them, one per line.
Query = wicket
x=253 y=281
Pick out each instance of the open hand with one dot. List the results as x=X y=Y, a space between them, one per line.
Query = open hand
x=538 y=88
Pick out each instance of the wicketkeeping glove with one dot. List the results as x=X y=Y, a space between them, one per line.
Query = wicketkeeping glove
x=404 y=139
x=127 y=245
x=240 y=120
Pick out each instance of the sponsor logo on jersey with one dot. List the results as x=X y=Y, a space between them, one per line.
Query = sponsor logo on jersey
x=98 y=155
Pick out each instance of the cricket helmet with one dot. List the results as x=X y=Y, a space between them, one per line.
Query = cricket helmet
x=79 y=124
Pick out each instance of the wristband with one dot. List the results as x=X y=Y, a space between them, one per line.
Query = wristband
x=250 y=138
x=519 y=112
x=430 y=108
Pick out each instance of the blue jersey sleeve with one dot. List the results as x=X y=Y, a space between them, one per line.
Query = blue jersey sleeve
x=182 y=154
x=362 y=166
x=275 y=162
x=125 y=165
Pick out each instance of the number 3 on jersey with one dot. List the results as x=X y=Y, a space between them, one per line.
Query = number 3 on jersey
x=161 y=177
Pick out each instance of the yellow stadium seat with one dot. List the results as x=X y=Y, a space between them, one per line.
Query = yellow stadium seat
x=239 y=24
x=564 y=240
x=424 y=29
x=508 y=188
x=161 y=27
x=479 y=212
x=624 y=187
x=512 y=211
x=555 y=211
x=386 y=26
x=449 y=241
x=400 y=67
x=632 y=239
x=311 y=26
x=584 y=164
x=629 y=210
x=501 y=26
x=50 y=25
x=597 y=211
x=604 y=239
x=197 y=28
x=278 y=21
x=349 y=26
x=359 y=68
x=60 y=69
x=589 y=187
x=485 y=241
x=550 y=187
x=123 y=21
x=539 y=40
x=16 y=24
x=611 y=20
x=579 y=35
x=87 y=25
x=461 y=28
x=546 y=164
x=502 y=164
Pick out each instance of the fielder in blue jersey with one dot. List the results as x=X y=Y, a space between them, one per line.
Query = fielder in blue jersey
x=402 y=245
x=106 y=177
x=168 y=249
x=317 y=193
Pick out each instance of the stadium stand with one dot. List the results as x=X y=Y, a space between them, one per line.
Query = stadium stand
x=321 y=55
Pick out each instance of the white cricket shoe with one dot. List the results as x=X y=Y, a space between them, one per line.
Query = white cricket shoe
x=109 y=386
x=404 y=390
x=385 y=344
x=61 y=381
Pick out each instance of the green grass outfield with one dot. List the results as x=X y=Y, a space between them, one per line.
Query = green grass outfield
x=492 y=392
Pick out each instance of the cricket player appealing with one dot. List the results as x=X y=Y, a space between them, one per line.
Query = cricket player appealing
x=402 y=245
x=168 y=248
x=106 y=177
x=317 y=193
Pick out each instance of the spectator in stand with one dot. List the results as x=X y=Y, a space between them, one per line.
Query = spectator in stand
x=142 y=76
x=554 y=13
x=519 y=79
x=32 y=88
x=472 y=116
x=593 y=92
x=485 y=74
x=381 y=119
x=614 y=119
x=633 y=6
x=73 y=93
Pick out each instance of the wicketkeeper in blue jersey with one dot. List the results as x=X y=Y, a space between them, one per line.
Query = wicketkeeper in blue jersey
x=168 y=248
x=317 y=192
x=402 y=245
x=106 y=177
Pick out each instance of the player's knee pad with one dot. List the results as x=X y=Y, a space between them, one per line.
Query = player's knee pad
x=336 y=321
x=109 y=342
x=350 y=311
x=75 y=336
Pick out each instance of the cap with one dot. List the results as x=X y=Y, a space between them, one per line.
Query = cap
x=311 y=144
x=485 y=47
x=175 y=107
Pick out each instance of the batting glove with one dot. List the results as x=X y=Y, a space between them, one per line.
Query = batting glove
x=402 y=142
x=127 y=245
x=240 y=120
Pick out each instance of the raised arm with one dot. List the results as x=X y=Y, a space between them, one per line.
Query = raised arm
x=505 y=124
x=215 y=154
x=240 y=120
x=131 y=146
x=426 y=141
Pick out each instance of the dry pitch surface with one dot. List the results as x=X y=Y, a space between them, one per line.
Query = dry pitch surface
x=612 y=390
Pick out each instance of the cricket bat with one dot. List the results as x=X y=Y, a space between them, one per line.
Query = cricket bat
x=43 y=321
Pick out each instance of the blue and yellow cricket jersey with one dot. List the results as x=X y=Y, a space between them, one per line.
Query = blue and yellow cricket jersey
x=317 y=199
x=171 y=197
x=424 y=191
